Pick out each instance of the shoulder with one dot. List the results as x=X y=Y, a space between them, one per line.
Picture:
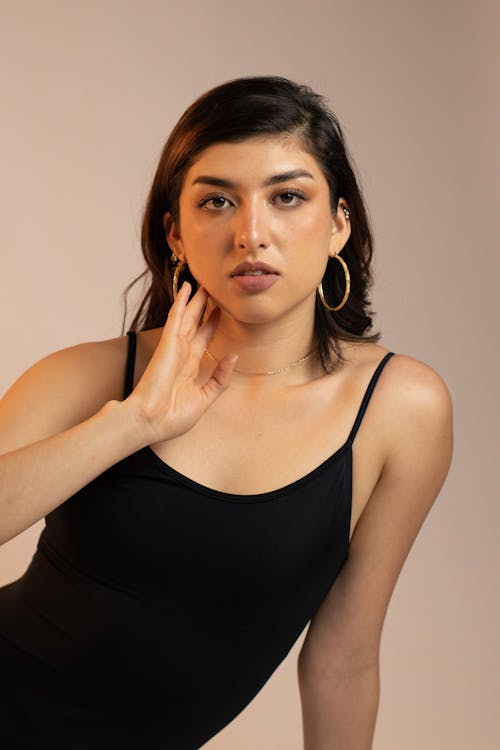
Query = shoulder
x=412 y=399
x=99 y=363
x=418 y=416
x=61 y=390
x=417 y=390
x=401 y=369
x=410 y=382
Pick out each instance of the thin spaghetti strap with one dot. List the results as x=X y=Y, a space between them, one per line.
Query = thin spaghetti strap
x=129 y=370
x=367 y=396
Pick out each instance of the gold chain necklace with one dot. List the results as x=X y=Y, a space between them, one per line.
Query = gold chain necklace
x=269 y=372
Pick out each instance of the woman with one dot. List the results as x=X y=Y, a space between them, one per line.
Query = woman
x=199 y=518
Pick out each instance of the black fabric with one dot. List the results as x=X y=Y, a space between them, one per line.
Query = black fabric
x=129 y=368
x=154 y=609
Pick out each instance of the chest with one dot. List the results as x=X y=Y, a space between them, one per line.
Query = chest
x=240 y=449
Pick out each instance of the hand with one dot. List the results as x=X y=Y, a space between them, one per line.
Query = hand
x=167 y=397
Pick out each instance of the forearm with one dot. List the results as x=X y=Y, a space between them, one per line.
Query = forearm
x=340 y=713
x=37 y=478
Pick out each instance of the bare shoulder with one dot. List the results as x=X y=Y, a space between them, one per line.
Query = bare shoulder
x=413 y=407
x=61 y=390
x=406 y=375
x=416 y=398
x=412 y=402
x=97 y=367
x=417 y=379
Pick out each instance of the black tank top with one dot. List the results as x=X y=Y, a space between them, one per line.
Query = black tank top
x=154 y=608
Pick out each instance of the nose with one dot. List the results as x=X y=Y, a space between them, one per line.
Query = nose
x=252 y=226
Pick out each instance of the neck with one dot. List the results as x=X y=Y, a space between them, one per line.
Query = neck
x=266 y=348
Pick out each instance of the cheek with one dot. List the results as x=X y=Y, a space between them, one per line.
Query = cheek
x=315 y=223
x=200 y=243
x=311 y=233
x=308 y=250
x=204 y=234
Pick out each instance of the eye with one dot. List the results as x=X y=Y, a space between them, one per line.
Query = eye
x=213 y=200
x=291 y=195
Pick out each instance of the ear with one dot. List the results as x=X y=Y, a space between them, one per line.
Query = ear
x=172 y=235
x=341 y=229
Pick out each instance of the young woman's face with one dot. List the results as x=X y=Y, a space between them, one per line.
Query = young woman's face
x=259 y=200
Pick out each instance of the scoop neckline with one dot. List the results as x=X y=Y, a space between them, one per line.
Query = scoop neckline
x=251 y=498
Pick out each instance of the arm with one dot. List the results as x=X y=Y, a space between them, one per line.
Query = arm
x=339 y=712
x=37 y=478
x=60 y=428
x=338 y=663
x=61 y=424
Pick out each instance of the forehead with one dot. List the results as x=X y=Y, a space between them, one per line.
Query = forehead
x=253 y=157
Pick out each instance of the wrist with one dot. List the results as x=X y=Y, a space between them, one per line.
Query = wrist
x=130 y=421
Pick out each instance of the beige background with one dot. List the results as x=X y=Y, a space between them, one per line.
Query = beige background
x=90 y=91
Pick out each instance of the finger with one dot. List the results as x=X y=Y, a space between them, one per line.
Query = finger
x=220 y=378
x=193 y=312
x=205 y=333
x=176 y=312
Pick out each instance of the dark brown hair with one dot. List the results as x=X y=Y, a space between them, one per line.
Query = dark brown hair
x=233 y=111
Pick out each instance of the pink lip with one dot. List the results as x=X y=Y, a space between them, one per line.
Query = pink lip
x=255 y=283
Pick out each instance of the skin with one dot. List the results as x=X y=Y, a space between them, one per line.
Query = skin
x=253 y=222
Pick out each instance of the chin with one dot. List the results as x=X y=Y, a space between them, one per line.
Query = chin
x=247 y=317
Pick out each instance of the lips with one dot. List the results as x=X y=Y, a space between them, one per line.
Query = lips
x=255 y=283
x=242 y=268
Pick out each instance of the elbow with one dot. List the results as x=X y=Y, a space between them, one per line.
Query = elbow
x=347 y=666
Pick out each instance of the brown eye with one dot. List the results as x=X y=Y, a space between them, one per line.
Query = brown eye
x=212 y=200
x=290 y=197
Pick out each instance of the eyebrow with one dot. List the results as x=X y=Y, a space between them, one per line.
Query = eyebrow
x=276 y=178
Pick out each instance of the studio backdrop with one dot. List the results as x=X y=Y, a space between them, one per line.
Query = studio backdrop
x=91 y=90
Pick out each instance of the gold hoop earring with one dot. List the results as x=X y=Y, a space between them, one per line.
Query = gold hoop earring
x=347 y=287
x=178 y=269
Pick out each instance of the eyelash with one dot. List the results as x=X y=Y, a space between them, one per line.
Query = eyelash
x=294 y=191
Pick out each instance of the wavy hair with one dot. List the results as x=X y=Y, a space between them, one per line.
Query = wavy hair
x=230 y=112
